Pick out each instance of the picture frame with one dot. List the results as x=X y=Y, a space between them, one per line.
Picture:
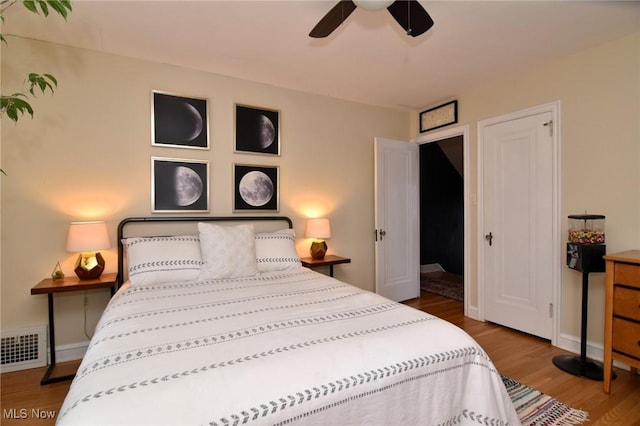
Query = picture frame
x=256 y=188
x=440 y=116
x=179 y=185
x=179 y=121
x=257 y=130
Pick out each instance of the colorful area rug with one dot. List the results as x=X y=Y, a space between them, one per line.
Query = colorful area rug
x=536 y=408
x=443 y=284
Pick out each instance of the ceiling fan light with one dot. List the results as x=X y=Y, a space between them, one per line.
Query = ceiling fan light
x=373 y=4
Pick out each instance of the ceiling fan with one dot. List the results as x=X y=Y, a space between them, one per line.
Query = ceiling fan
x=408 y=13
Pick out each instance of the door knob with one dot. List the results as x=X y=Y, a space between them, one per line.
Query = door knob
x=489 y=237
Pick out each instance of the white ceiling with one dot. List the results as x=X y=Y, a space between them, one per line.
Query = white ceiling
x=367 y=59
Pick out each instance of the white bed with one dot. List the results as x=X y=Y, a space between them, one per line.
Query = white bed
x=286 y=345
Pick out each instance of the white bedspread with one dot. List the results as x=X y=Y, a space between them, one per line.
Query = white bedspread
x=294 y=347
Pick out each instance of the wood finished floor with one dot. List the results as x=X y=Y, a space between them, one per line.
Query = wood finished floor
x=522 y=357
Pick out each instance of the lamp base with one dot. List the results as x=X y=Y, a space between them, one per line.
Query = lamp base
x=318 y=250
x=89 y=266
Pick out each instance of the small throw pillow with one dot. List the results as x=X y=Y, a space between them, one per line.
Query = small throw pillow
x=276 y=251
x=227 y=251
x=156 y=260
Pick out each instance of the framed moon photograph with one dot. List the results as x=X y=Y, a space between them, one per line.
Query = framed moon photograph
x=178 y=121
x=257 y=130
x=179 y=185
x=256 y=188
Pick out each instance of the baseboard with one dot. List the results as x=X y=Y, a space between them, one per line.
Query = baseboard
x=595 y=351
x=472 y=312
x=572 y=344
x=70 y=352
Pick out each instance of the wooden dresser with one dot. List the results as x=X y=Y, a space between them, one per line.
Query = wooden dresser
x=622 y=312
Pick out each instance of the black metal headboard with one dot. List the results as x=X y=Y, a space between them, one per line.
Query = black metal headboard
x=175 y=219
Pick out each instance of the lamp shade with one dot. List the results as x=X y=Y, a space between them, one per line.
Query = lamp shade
x=88 y=236
x=318 y=228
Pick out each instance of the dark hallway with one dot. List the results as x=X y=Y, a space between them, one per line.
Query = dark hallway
x=442 y=211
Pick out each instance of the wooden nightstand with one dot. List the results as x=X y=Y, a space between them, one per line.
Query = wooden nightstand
x=48 y=286
x=329 y=260
x=622 y=313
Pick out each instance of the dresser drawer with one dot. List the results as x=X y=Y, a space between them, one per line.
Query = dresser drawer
x=626 y=302
x=627 y=274
x=626 y=337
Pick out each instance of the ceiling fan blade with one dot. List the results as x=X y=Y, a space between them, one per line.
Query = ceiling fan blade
x=333 y=19
x=411 y=16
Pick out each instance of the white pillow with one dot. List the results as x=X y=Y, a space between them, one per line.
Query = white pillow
x=276 y=251
x=227 y=251
x=155 y=260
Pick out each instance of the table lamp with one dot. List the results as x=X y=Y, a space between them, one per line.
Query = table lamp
x=319 y=229
x=87 y=238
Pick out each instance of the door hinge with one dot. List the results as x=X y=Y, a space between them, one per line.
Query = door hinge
x=549 y=124
x=550 y=310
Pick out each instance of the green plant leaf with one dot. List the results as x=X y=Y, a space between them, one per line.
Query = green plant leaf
x=22 y=105
x=31 y=5
x=12 y=114
x=43 y=82
x=43 y=7
x=14 y=107
x=52 y=78
x=61 y=6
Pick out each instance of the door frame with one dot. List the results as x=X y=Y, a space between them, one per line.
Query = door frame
x=464 y=131
x=556 y=296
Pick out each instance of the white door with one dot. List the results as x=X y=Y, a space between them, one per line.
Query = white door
x=518 y=204
x=397 y=251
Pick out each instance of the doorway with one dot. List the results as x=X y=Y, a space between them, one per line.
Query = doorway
x=444 y=221
x=442 y=218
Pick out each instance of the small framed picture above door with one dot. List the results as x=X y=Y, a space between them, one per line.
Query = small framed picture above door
x=440 y=116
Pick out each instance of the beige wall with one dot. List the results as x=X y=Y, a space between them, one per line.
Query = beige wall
x=599 y=92
x=87 y=154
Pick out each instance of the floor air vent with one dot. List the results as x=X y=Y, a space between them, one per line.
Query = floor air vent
x=23 y=349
